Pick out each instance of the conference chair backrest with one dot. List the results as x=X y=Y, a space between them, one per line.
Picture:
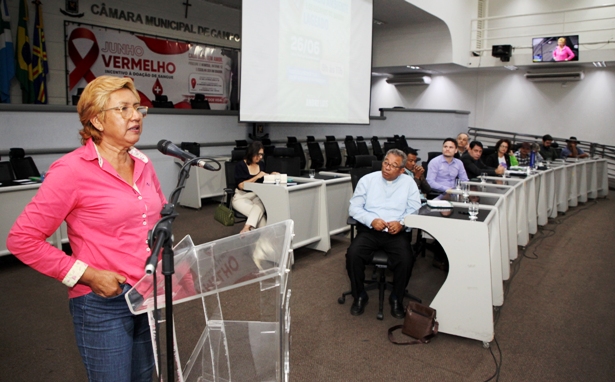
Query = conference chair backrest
x=298 y=148
x=357 y=173
x=376 y=148
x=362 y=148
x=364 y=161
x=334 y=155
x=318 y=160
x=351 y=150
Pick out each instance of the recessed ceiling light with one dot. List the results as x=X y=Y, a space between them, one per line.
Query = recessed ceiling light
x=511 y=67
x=599 y=64
x=413 y=67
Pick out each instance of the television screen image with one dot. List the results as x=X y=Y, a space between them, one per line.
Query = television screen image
x=555 y=49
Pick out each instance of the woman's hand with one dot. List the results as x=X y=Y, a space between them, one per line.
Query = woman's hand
x=103 y=283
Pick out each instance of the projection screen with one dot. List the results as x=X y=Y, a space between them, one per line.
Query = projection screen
x=306 y=61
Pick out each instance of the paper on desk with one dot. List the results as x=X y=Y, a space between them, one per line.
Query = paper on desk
x=439 y=204
x=270 y=179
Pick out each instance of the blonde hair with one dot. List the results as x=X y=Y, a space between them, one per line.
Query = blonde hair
x=562 y=39
x=93 y=101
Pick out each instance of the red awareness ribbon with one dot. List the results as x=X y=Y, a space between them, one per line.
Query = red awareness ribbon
x=82 y=64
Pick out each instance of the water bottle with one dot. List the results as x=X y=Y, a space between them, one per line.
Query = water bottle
x=532 y=159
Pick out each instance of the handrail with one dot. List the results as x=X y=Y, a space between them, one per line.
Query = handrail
x=480 y=36
x=490 y=137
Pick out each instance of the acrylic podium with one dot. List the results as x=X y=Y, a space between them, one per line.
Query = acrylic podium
x=230 y=307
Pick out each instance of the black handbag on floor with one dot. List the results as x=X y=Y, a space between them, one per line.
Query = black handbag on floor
x=420 y=323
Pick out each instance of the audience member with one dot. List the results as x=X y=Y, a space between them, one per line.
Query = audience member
x=473 y=164
x=381 y=201
x=251 y=170
x=501 y=156
x=416 y=172
x=572 y=151
x=523 y=154
x=547 y=151
x=444 y=169
x=462 y=144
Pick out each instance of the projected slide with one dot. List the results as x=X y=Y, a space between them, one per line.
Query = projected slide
x=306 y=61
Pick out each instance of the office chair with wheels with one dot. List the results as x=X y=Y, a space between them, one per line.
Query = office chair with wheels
x=23 y=166
x=380 y=258
x=362 y=146
x=299 y=153
x=351 y=150
x=376 y=148
x=388 y=146
x=334 y=156
x=283 y=161
x=316 y=158
x=229 y=190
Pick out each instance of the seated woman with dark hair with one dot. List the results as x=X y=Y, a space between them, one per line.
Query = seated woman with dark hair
x=501 y=156
x=251 y=170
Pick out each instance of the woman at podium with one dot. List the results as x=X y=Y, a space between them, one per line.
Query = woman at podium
x=109 y=195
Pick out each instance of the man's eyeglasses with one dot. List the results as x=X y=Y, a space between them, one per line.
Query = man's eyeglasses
x=127 y=111
x=388 y=164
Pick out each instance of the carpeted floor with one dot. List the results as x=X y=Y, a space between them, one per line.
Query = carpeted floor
x=556 y=323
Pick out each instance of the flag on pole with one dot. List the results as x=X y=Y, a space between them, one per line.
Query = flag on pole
x=23 y=55
x=39 y=57
x=7 y=62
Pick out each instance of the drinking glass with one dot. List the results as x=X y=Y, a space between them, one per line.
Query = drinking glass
x=465 y=190
x=473 y=210
x=457 y=184
x=277 y=179
x=483 y=177
x=312 y=173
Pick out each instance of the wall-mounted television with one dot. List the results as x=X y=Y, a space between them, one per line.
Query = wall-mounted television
x=555 y=49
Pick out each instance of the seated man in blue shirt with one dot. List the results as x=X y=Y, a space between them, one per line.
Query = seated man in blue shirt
x=572 y=151
x=444 y=169
x=381 y=201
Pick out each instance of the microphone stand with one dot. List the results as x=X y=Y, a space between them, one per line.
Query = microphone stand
x=161 y=237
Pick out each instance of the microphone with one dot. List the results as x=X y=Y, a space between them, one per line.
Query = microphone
x=168 y=148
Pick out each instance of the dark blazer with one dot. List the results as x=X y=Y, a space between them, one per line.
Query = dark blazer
x=474 y=168
x=492 y=160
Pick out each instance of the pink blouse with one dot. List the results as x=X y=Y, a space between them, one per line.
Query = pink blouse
x=107 y=218
x=564 y=54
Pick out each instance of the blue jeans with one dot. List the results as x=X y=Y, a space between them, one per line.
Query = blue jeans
x=115 y=345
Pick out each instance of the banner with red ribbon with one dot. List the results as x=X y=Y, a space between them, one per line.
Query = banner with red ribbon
x=159 y=67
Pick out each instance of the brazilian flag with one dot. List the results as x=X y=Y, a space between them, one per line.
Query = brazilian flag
x=23 y=55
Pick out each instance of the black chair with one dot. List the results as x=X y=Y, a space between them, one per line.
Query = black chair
x=268 y=148
x=299 y=153
x=351 y=150
x=200 y=102
x=364 y=161
x=283 y=161
x=23 y=166
x=334 y=156
x=162 y=101
x=362 y=146
x=380 y=258
x=376 y=148
x=229 y=191
x=241 y=144
x=316 y=157
x=389 y=145
x=7 y=176
x=402 y=143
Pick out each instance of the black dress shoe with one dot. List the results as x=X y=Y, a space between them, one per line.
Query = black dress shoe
x=397 y=308
x=358 y=306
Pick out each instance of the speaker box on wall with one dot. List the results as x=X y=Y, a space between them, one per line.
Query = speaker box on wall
x=503 y=52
